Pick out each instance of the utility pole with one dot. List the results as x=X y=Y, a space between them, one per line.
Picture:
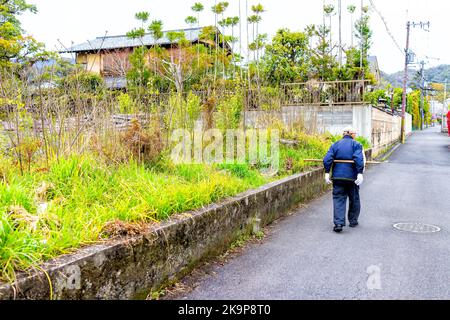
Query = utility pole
x=362 y=38
x=340 y=32
x=405 y=76
x=422 y=87
x=405 y=81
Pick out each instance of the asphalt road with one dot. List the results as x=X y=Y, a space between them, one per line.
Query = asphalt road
x=303 y=259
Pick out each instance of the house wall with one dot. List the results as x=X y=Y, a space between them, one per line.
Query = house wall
x=93 y=62
x=112 y=63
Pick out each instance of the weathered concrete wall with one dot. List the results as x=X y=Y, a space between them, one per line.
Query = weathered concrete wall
x=386 y=129
x=130 y=268
x=318 y=119
x=379 y=127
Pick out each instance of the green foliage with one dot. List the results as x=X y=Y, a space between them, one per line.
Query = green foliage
x=155 y=29
x=322 y=60
x=413 y=107
x=197 y=7
x=82 y=81
x=287 y=58
x=137 y=33
x=307 y=147
x=375 y=96
x=138 y=77
x=229 y=112
x=126 y=104
x=398 y=97
x=87 y=195
x=220 y=7
x=427 y=112
x=190 y=20
x=364 y=33
x=19 y=249
x=181 y=113
x=14 y=46
x=363 y=140
x=353 y=65
x=142 y=16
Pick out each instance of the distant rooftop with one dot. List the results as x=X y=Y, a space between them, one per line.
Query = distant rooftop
x=122 y=41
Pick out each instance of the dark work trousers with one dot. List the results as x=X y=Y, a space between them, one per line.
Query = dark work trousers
x=343 y=189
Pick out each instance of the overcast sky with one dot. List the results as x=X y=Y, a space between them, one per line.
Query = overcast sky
x=75 y=21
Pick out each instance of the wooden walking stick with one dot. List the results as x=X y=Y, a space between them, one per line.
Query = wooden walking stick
x=341 y=161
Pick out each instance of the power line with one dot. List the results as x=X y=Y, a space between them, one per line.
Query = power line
x=387 y=28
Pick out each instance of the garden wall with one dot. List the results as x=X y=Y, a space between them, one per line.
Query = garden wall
x=379 y=127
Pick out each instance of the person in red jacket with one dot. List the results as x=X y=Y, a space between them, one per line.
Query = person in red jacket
x=448 y=122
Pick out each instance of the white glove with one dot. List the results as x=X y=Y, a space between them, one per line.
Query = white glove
x=359 y=180
x=327 y=178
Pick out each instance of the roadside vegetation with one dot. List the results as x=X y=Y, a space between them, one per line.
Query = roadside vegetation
x=80 y=163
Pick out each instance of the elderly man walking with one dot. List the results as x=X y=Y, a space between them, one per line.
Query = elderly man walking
x=346 y=178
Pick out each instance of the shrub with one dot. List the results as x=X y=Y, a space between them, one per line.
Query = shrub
x=145 y=145
x=126 y=104
x=229 y=112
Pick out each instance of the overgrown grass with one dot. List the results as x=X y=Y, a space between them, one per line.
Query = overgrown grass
x=46 y=213
x=83 y=195
x=364 y=141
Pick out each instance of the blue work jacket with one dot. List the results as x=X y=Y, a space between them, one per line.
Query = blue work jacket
x=345 y=149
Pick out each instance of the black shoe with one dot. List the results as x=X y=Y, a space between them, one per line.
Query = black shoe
x=354 y=225
x=337 y=228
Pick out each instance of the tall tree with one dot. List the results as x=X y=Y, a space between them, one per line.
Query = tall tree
x=322 y=60
x=14 y=45
x=258 y=10
x=233 y=22
x=138 y=77
x=340 y=31
x=364 y=33
x=156 y=30
x=329 y=12
x=198 y=8
x=287 y=58
x=351 y=9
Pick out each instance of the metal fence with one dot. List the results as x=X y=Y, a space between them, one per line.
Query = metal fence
x=324 y=93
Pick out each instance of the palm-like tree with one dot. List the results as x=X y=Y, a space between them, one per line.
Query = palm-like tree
x=155 y=29
x=329 y=12
x=340 y=31
x=219 y=9
x=231 y=22
x=197 y=8
x=351 y=9
x=191 y=21
x=253 y=20
x=258 y=10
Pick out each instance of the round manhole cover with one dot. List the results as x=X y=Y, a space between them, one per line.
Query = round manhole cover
x=416 y=227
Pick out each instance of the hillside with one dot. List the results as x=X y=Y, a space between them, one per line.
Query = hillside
x=435 y=74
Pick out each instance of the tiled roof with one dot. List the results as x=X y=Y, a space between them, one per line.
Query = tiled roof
x=117 y=42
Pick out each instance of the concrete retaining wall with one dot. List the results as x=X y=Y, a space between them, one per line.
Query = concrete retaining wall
x=130 y=268
x=379 y=127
